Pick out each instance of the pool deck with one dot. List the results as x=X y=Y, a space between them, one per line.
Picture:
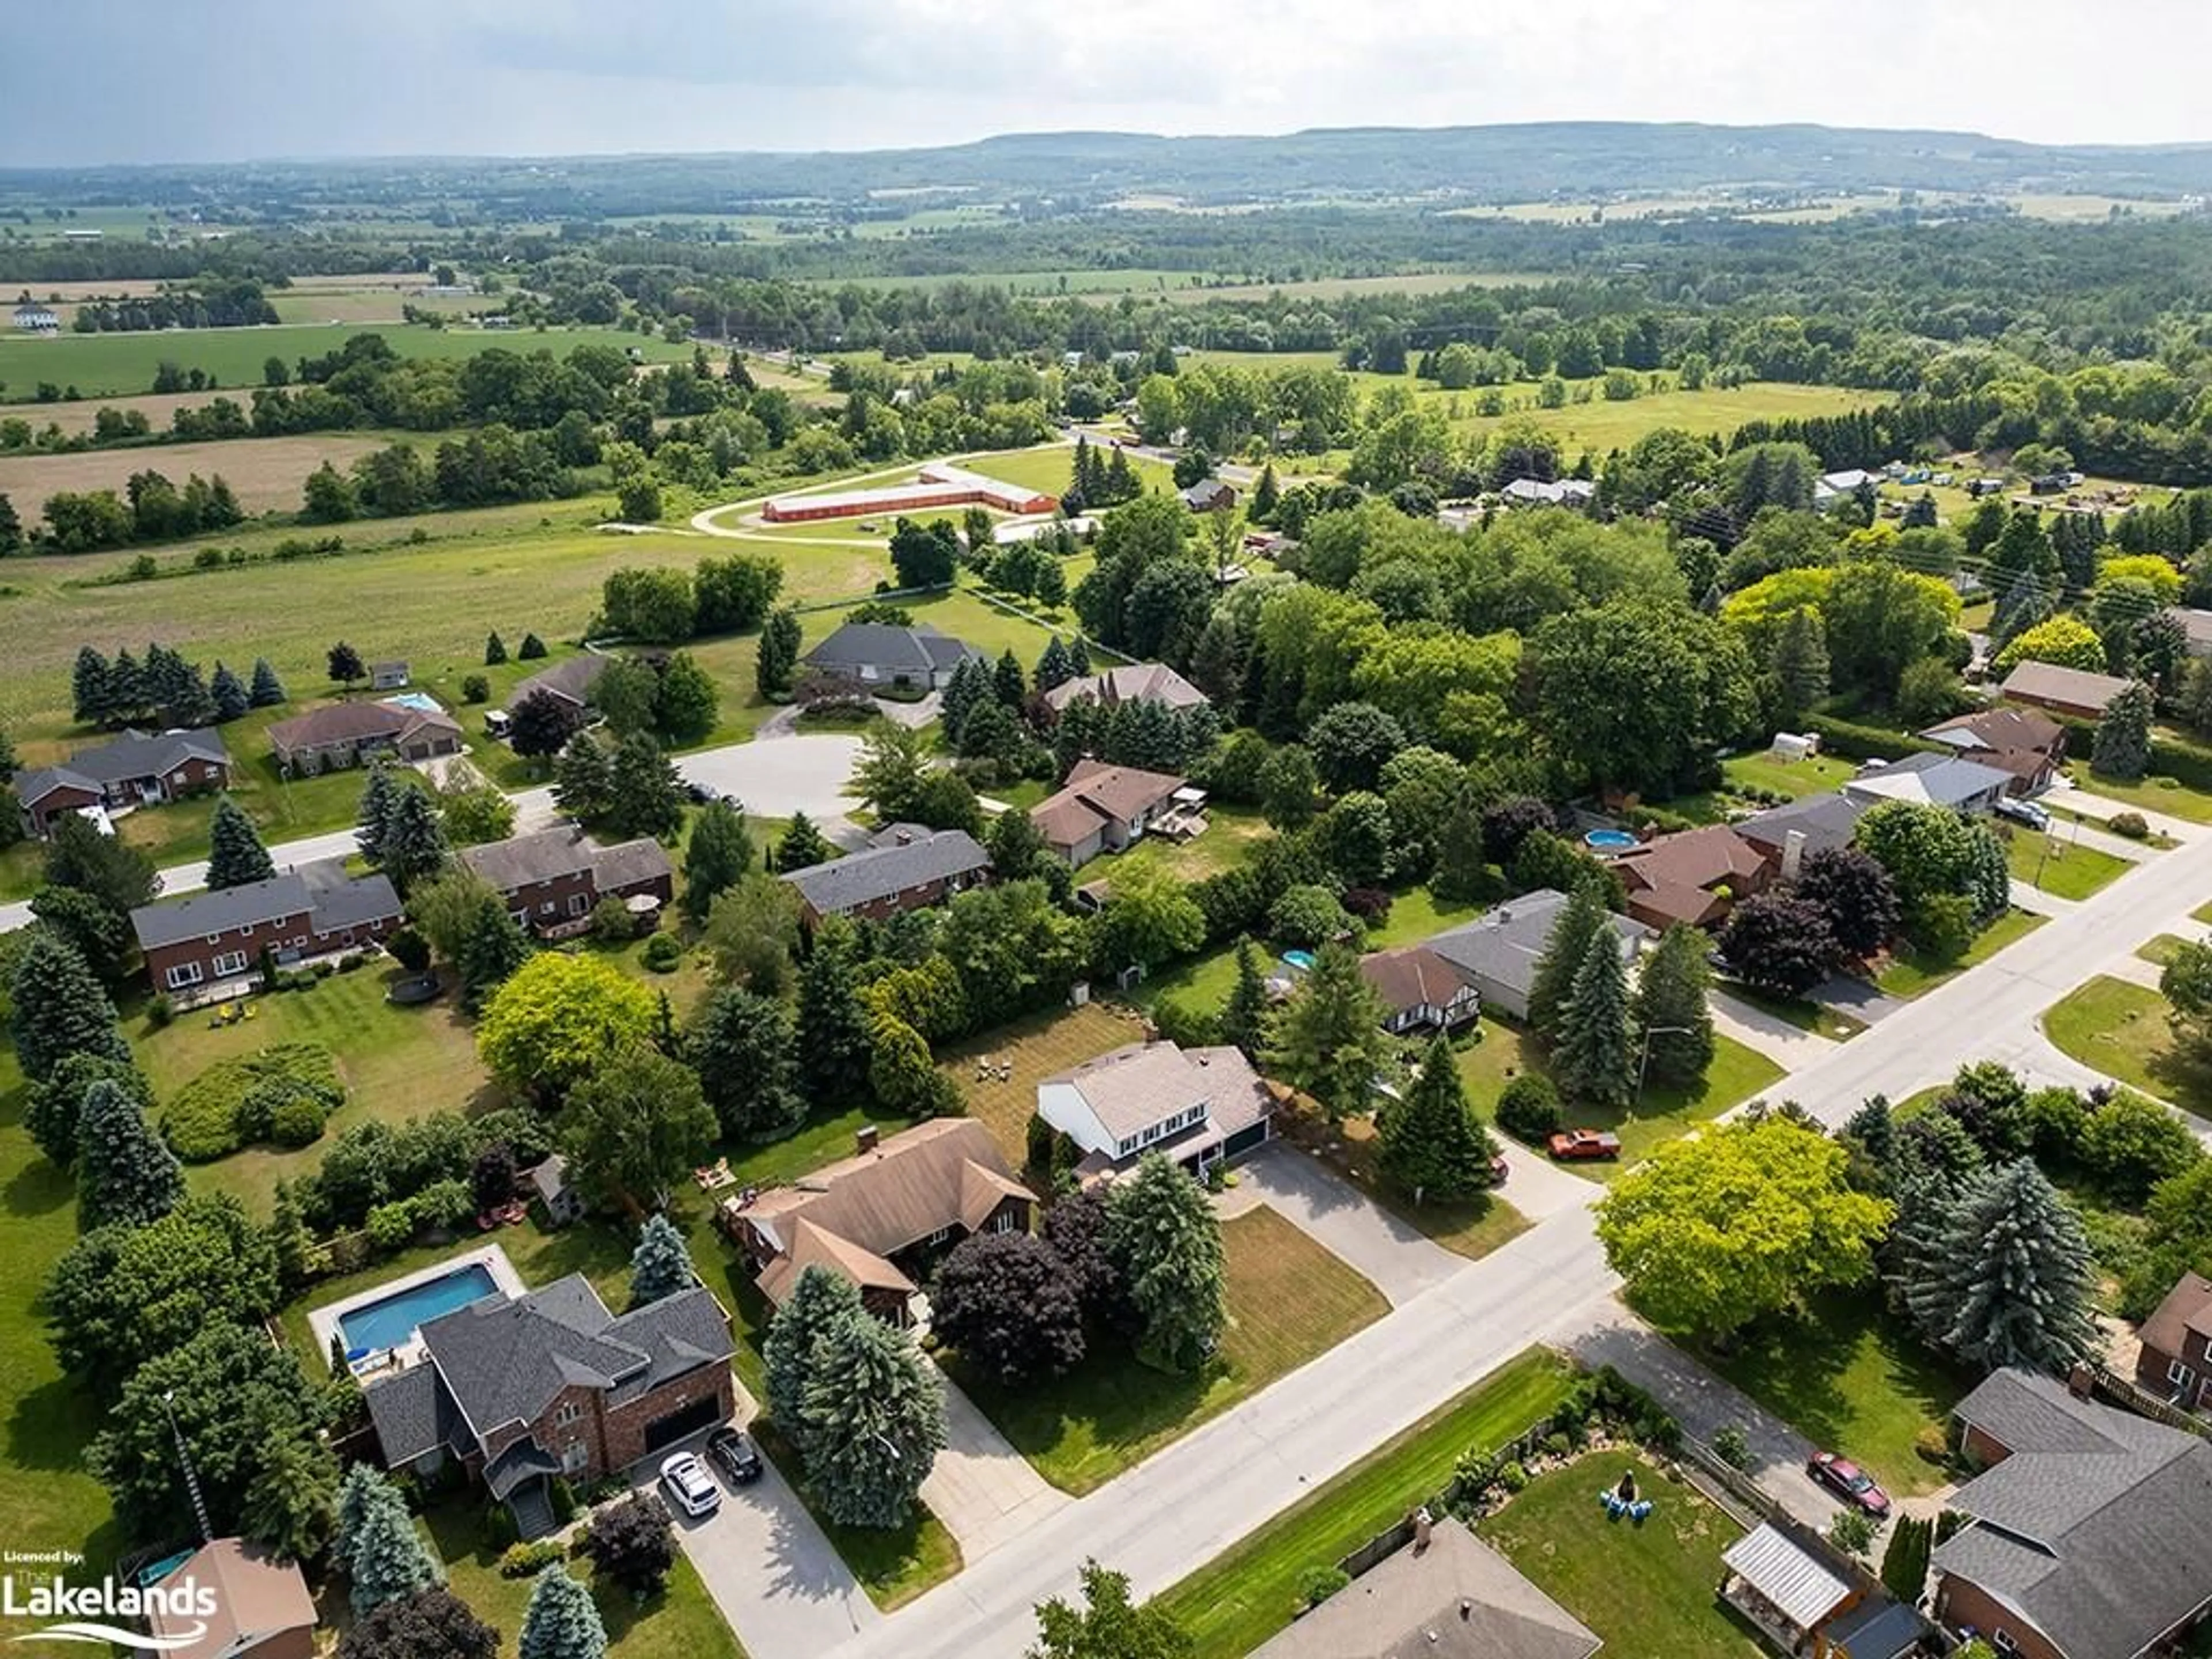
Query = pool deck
x=324 y=1320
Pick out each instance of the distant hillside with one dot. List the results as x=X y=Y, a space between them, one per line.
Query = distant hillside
x=1488 y=164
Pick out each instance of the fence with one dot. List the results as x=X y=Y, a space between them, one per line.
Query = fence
x=1389 y=1542
x=2116 y=1390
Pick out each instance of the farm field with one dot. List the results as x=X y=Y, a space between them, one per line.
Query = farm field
x=1248 y=1592
x=1290 y=1301
x=106 y=365
x=265 y=473
x=160 y=409
x=1334 y=288
x=1602 y=426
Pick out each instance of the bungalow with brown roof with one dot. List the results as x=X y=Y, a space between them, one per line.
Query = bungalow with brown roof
x=1694 y=876
x=1198 y=1106
x=1420 y=991
x=350 y=734
x=1102 y=809
x=880 y=1217
x=259 y=1609
x=2063 y=690
x=1134 y=682
x=2030 y=746
x=2175 y=1360
x=568 y=681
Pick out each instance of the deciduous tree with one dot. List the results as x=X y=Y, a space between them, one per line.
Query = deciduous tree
x=432 y=1624
x=635 y=1125
x=1008 y=1303
x=1779 y=943
x=633 y=1543
x=1110 y=1624
x=752 y=931
x=556 y=1018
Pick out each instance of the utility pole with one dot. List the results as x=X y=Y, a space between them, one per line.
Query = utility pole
x=191 y=1479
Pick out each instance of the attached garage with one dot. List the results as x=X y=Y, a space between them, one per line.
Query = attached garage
x=666 y=1430
x=1248 y=1139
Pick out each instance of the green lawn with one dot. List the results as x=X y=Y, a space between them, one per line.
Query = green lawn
x=1290 y=1301
x=44 y=1492
x=1051 y=467
x=1652 y=1589
x=2161 y=949
x=893 y=1564
x=2151 y=794
x=1248 y=1592
x=1472 y=1228
x=1419 y=915
x=2060 y=868
x=1795 y=779
x=1665 y=1111
x=1850 y=1377
x=2119 y=1028
x=1910 y=974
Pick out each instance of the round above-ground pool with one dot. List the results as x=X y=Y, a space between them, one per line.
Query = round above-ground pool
x=1609 y=840
x=1301 y=960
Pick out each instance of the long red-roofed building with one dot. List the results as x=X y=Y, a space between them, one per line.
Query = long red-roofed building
x=937 y=485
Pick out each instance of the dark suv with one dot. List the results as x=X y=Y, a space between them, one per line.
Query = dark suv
x=730 y=1451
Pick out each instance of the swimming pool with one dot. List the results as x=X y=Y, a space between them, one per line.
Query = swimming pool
x=421 y=702
x=393 y=1323
x=1609 y=840
x=1301 y=960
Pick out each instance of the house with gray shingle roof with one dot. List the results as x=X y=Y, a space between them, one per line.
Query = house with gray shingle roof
x=211 y=942
x=522 y=1390
x=138 y=768
x=880 y=653
x=1498 y=951
x=1133 y=681
x=918 y=867
x=2091 y=1528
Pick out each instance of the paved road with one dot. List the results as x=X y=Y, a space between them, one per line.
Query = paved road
x=1389 y=1254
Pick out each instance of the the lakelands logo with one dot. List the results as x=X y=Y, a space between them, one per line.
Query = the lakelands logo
x=92 y=1611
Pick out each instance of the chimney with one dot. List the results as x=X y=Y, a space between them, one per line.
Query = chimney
x=865 y=1138
x=2081 y=1381
x=1793 y=853
x=905 y=836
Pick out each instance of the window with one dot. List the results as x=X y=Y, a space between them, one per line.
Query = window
x=1003 y=1222
x=548 y=908
x=939 y=1236
x=578 y=902
x=216 y=939
x=2179 y=1375
x=230 y=962
x=568 y=1412
x=184 y=974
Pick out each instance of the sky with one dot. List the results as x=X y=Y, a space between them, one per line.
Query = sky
x=150 y=81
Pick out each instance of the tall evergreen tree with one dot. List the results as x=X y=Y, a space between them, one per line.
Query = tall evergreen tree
x=1432 y=1145
x=776 y=664
x=1672 y=1017
x=1267 y=496
x=1328 y=1038
x=267 y=690
x=1580 y=920
x=968 y=687
x=561 y=1621
x=1015 y=846
x=876 y=1411
x=384 y=1556
x=1053 y=668
x=1800 y=665
x=2121 y=747
x=742 y=1046
x=126 y=689
x=229 y=695
x=719 y=855
x=494 y=649
x=124 y=1172
x=1594 y=1059
x=660 y=1265
x=57 y=1008
x=374 y=813
x=235 y=854
x=1008 y=682
x=413 y=846
x=1244 y=1016
x=648 y=796
x=2004 y=1275
x=1165 y=1237
x=583 y=776
x=492 y=947
x=818 y=1303
x=834 y=1050
x=90 y=690
x=803 y=846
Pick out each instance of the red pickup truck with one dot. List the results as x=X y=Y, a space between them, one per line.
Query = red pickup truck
x=1575 y=1145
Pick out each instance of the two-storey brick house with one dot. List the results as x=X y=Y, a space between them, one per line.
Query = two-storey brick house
x=522 y=1390
x=213 y=941
x=552 y=879
x=2175 y=1360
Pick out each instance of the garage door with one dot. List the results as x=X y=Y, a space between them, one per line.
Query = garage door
x=699 y=1415
x=1246 y=1139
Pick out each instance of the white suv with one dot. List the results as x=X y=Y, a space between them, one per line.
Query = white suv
x=2024 y=812
x=689 y=1483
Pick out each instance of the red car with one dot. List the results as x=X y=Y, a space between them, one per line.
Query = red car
x=1849 y=1482
x=1584 y=1144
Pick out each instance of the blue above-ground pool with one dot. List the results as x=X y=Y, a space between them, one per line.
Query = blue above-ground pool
x=1609 y=840
x=1301 y=960
x=393 y=1323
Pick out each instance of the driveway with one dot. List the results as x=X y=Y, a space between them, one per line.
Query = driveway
x=1390 y=1254
x=1787 y=1045
x=1703 y=1405
x=770 y=1570
x=1539 y=1189
x=984 y=1491
x=803 y=773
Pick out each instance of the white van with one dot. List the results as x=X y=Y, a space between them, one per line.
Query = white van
x=497 y=725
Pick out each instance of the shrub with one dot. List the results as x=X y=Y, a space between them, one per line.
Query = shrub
x=1307 y=915
x=1558 y=1444
x=324 y=968
x=390 y=1227
x=443 y=1204
x=2133 y=825
x=1317 y=1584
x=409 y=950
x=1731 y=1447
x=298 y=1121
x=562 y=1495
x=1851 y=1532
x=1932 y=1445
x=235 y=1101
x=475 y=688
x=528 y=1560
x=1513 y=1477
x=498 y=1526
x=161 y=1011
x=662 y=953
x=612 y=921
x=1529 y=1108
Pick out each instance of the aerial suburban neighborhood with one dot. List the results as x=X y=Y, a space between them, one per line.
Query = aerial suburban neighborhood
x=773 y=891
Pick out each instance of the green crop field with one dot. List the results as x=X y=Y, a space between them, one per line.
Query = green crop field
x=115 y=365
x=1604 y=426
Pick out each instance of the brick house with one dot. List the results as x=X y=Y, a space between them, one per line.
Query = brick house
x=882 y=1216
x=522 y=1390
x=2029 y=745
x=350 y=733
x=552 y=879
x=207 y=941
x=2175 y=1360
x=139 y=768
x=2063 y=690
x=1102 y=809
x=2090 y=1533
x=915 y=868
x=1694 y=876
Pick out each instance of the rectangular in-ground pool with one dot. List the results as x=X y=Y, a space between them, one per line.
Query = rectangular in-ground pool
x=392 y=1322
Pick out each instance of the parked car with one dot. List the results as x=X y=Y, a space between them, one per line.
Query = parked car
x=1581 y=1145
x=731 y=1451
x=1849 y=1482
x=1499 y=1168
x=702 y=794
x=2024 y=812
x=687 y=1481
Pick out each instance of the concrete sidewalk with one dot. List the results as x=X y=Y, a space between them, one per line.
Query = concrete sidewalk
x=1391 y=1255
x=983 y=1489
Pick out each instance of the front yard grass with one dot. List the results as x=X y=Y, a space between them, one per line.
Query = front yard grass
x=1033 y=1049
x=1472 y=1229
x=1651 y=1588
x=2161 y=949
x=2062 y=869
x=1248 y=1592
x=1851 y=1379
x=2151 y=794
x=1418 y=914
x=894 y=1564
x=1665 y=1111
x=1796 y=779
x=1911 y=975
x=2118 y=1028
x=1290 y=1301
